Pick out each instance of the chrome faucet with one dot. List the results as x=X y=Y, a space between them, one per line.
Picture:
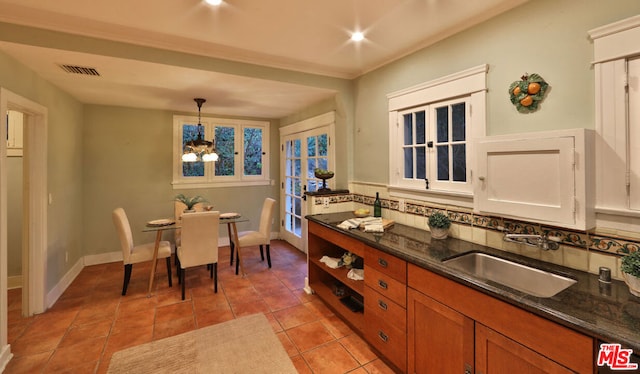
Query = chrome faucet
x=535 y=240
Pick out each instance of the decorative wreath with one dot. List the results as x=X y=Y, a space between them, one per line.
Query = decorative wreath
x=526 y=93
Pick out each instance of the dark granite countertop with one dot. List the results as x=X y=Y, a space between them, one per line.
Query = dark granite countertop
x=606 y=311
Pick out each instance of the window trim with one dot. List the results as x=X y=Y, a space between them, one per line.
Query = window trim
x=472 y=83
x=209 y=180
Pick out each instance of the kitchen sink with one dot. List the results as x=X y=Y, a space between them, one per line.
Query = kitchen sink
x=523 y=278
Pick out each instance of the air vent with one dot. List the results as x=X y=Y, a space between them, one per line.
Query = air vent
x=73 y=69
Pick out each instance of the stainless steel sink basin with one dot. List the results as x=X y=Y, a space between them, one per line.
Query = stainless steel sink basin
x=523 y=278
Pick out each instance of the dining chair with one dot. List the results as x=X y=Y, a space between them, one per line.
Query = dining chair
x=133 y=254
x=199 y=244
x=179 y=208
x=261 y=238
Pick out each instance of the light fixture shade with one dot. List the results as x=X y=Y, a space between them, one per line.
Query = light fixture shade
x=189 y=157
x=210 y=157
x=199 y=149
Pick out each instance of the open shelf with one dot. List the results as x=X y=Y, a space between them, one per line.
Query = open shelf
x=340 y=274
x=355 y=319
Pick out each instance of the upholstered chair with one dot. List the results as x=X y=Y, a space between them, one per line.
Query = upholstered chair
x=133 y=254
x=261 y=238
x=199 y=244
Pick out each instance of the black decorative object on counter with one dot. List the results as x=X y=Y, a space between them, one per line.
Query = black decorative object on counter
x=324 y=175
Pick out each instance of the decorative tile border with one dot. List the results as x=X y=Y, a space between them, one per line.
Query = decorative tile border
x=573 y=238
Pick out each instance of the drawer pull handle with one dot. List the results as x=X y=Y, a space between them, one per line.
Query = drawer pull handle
x=382 y=305
x=383 y=336
x=382 y=262
x=382 y=284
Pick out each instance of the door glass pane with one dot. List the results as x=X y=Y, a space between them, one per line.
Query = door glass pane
x=458 y=119
x=443 y=162
x=421 y=163
x=296 y=148
x=311 y=166
x=459 y=163
x=298 y=226
x=288 y=186
x=420 y=127
x=311 y=146
x=408 y=129
x=288 y=203
x=252 y=151
x=323 y=145
x=313 y=185
x=225 y=145
x=408 y=163
x=297 y=168
x=323 y=163
x=442 y=124
x=288 y=150
x=297 y=191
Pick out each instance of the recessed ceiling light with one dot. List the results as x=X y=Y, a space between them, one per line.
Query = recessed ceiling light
x=213 y=2
x=357 y=36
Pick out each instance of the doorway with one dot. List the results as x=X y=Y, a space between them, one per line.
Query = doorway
x=305 y=146
x=15 y=201
x=34 y=206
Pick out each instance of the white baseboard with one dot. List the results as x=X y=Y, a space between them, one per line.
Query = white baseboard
x=102 y=258
x=62 y=285
x=14 y=282
x=5 y=356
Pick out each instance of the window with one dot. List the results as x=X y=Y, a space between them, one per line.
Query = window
x=242 y=147
x=430 y=131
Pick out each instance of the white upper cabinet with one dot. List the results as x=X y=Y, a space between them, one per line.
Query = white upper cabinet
x=544 y=177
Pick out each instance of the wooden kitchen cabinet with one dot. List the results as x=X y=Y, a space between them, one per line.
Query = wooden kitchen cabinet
x=421 y=322
x=495 y=353
x=444 y=316
x=440 y=339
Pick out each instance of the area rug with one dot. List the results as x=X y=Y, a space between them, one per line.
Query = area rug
x=243 y=345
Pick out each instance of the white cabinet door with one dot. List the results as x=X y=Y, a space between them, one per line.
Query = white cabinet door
x=534 y=177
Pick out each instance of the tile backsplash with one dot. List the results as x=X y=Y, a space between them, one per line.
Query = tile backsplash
x=581 y=250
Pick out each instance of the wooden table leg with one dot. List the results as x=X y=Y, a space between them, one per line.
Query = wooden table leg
x=231 y=247
x=237 y=248
x=154 y=262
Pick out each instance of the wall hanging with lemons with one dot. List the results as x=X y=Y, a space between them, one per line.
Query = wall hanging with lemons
x=528 y=92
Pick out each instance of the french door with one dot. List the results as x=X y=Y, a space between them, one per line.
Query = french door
x=302 y=153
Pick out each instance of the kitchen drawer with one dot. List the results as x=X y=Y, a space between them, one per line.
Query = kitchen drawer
x=386 y=263
x=387 y=339
x=384 y=308
x=386 y=285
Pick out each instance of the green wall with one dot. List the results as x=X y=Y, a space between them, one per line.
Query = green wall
x=128 y=163
x=548 y=37
x=64 y=168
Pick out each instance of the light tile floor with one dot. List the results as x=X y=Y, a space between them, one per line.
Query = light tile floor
x=91 y=320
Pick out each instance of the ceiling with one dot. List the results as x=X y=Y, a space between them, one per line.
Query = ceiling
x=298 y=35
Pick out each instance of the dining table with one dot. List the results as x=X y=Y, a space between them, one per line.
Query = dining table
x=229 y=219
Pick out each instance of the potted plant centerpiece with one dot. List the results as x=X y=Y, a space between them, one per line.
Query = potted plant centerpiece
x=190 y=201
x=631 y=272
x=439 y=225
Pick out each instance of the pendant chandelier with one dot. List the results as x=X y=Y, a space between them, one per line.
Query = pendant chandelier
x=199 y=149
